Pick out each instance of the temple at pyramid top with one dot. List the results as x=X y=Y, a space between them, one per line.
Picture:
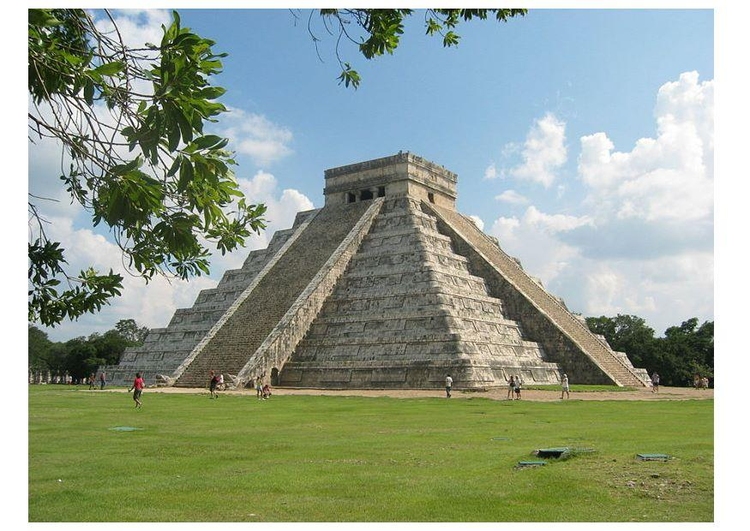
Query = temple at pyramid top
x=400 y=175
x=386 y=286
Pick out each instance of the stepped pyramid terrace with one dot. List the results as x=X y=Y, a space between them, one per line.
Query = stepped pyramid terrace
x=386 y=286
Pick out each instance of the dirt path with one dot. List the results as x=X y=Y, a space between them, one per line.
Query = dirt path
x=665 y=393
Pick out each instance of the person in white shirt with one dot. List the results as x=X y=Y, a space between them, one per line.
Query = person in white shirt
x=448 y=385
x=565 y=387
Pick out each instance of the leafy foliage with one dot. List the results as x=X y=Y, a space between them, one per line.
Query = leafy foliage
x=683 y=352
x=131 y=122
x=378 y=32
x=80 y=356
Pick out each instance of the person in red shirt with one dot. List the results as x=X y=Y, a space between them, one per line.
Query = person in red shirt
x=137 y=388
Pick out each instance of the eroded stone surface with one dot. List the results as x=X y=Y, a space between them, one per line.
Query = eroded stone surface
x=386 y=286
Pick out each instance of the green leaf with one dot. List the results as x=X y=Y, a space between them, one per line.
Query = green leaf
x=109 y=69
x=210 y=142
x=88 y=92
x=349 y=76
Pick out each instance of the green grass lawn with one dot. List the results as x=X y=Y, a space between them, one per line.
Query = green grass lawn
x=323 y=458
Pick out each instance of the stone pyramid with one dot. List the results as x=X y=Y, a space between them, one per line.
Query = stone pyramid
x=386 y=286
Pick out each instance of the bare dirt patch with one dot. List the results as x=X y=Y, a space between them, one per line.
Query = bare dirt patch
x=665 y=393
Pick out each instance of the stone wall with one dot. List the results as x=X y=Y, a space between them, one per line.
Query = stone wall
x=165 y=349
x=567 y=340
x=235 y=340
x=406 y=312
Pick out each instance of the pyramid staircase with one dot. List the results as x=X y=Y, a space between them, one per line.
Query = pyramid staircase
x=386 y=286
x=406 y=312
x=258 y=314
x=165 y=349
x=546 y=308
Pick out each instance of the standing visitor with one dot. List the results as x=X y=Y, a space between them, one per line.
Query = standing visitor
x=258 y=388
x=92 y=381
x=102 y=380
x=517 y=387
x=565 y=387
x=212 y=384
x=511 y=387
x=448 y=385
x=137 y=388
x=655 y=382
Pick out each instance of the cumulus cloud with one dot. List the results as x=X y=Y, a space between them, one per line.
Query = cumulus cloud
x=152 y=304
x=477 y=221
x=535 y=236
x=511 y=197
x=643 y=241
x=282 y=207
x=256 y=136
x=543 y=152
x=668 y=178
x=490 y=172
x=136 y=26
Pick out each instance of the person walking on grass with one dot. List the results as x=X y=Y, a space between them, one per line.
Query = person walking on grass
x=448 y=385
x=565 y=387
x=137 y=388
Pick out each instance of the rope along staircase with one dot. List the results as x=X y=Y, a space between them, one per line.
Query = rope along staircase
x=598 y=351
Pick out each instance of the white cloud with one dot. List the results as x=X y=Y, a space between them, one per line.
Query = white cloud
x=282 y=209
x=136 y=26
x=477 y=221
x=667 y=178
x=543 y=153
x=512 y=197
x=535 y=237
x=153 y=304
x=256 y=136
x=554 y=223
x=490 y=172
x=642 y=242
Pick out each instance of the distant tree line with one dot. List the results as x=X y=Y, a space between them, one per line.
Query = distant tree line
x=684 y=352
x=80 y=357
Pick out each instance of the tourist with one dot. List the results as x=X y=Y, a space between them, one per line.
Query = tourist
x=258 y=388
x=511 y=387
x=655 y=382
x=565 y=387
x=266 y=391
x=212 y=384
x=102 y=380
x=92 y=381
x=448 y=385
x=517 y=387
x=137 y=388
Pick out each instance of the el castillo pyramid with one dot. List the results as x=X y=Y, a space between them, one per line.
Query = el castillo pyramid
x=387 y=286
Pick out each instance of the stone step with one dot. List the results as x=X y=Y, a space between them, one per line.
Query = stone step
x=251 y=323
x=566 y=322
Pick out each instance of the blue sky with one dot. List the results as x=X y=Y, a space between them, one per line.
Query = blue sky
x=583 y=140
